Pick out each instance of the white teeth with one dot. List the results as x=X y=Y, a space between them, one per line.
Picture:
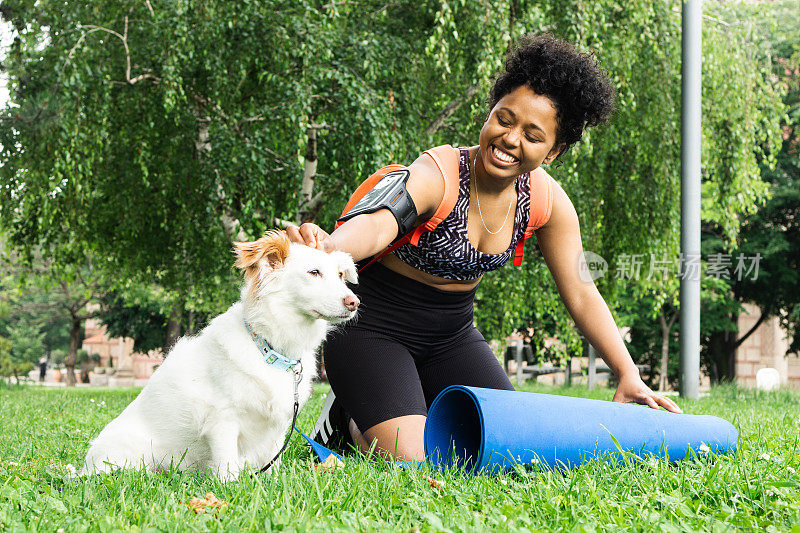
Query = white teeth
x=502 y=156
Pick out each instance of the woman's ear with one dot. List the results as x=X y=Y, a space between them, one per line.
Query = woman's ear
x=556 y=151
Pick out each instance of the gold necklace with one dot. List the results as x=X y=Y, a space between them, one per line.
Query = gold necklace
x=477 y=197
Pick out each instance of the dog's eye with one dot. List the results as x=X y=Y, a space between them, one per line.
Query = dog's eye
x=315 y=272
x=341 y=275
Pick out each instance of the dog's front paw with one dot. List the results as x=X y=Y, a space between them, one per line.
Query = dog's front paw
x=228 y=472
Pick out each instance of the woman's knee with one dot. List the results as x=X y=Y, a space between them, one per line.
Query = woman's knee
x=399 y=438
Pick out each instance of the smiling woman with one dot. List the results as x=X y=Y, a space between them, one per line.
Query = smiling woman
x=415 y=334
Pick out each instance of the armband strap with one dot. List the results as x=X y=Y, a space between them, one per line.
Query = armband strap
x=389 y=193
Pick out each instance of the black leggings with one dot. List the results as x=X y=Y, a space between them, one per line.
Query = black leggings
x=409 y=342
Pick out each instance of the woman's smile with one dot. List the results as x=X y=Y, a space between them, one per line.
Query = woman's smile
x=501 y=157
x=519 y=134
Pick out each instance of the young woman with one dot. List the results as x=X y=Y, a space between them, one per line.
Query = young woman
x=415 y=334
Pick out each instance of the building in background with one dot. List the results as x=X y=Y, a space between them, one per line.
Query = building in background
x=765 y=348
x=128 y=368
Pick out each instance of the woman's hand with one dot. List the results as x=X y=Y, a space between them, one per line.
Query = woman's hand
x=309 y=234
x=631 y=388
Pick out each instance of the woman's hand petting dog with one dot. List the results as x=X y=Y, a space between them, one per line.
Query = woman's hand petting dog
x=310 y=235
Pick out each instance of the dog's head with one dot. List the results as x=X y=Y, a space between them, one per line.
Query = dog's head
x=308 y=281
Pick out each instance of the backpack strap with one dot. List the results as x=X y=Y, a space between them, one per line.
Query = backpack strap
x=447 y=161
x=541 y=208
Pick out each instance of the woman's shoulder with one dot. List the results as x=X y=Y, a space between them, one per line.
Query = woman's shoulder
x=436 y=161
x=562 y=211
x=427 y=182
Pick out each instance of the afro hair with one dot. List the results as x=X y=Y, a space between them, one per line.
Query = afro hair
x=578 y=87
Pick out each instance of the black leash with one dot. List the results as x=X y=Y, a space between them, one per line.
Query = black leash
x=298 y=375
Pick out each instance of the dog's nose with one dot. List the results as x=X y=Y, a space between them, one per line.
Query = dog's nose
x=351 y=302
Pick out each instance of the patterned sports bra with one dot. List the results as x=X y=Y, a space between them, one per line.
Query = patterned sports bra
x=446 y=251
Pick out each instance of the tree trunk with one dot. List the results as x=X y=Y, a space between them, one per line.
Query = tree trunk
x=190 y=327
x=307 y=211
x=663 y=368
x=202 y=147
x=173 y=328
x=72 y=356
x=663 y=378
x=722 y=352
x=762 y=318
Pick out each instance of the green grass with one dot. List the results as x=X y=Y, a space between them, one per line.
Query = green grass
x=42 y=432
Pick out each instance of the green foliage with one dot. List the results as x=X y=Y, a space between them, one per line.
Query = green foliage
x=769 y=235
x=499 y=309
x=27 y=342
x=140 y=317
x=624 y=178
x=625 y=181
x=10 y=363
x=26 y=305
x=643 y=312
x=57 y=357
x=774 y=231
x=147 y=167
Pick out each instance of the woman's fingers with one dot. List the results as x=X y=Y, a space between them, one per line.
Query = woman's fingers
x=650 y=402
x=668 y=404
x=308 y=234
x=293 y=232
x=313 y=233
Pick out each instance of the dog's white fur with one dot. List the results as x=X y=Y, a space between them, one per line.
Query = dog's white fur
x=215 y=404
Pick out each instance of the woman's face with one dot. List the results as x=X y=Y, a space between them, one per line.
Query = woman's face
x=519 y=135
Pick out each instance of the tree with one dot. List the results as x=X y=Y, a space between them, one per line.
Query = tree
x=768 y=248
x=138 y=313
x=154 y=137
x=651 y=311
x=195 y=123
x=624 y=178
x=11 y=366
x=58 y=294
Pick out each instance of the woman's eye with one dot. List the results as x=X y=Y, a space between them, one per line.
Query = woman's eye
x=502 y=122
x=532 y=139
x=315 y=272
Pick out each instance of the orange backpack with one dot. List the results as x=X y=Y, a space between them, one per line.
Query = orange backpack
x=447 y=161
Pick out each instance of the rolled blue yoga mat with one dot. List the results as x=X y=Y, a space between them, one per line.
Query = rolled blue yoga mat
x=487 y=430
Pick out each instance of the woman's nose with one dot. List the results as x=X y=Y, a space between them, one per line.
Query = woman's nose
x=512 y=137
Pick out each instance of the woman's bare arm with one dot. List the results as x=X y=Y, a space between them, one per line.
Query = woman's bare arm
x=560 y=242
x=366 y=235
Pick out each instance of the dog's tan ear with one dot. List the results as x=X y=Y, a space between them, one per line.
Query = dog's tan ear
x=350 y=274
x=346 y=266
x=273 y=248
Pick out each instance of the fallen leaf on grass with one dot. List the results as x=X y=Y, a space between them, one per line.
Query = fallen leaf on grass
x=208 y=504
x=435 y=483
x=331 y=463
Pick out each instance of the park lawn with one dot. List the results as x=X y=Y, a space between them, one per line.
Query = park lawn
x=44 y=433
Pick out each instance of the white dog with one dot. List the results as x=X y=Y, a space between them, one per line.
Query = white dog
x=218 y=402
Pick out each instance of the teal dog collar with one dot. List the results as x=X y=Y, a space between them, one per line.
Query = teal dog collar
x=271 y=357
